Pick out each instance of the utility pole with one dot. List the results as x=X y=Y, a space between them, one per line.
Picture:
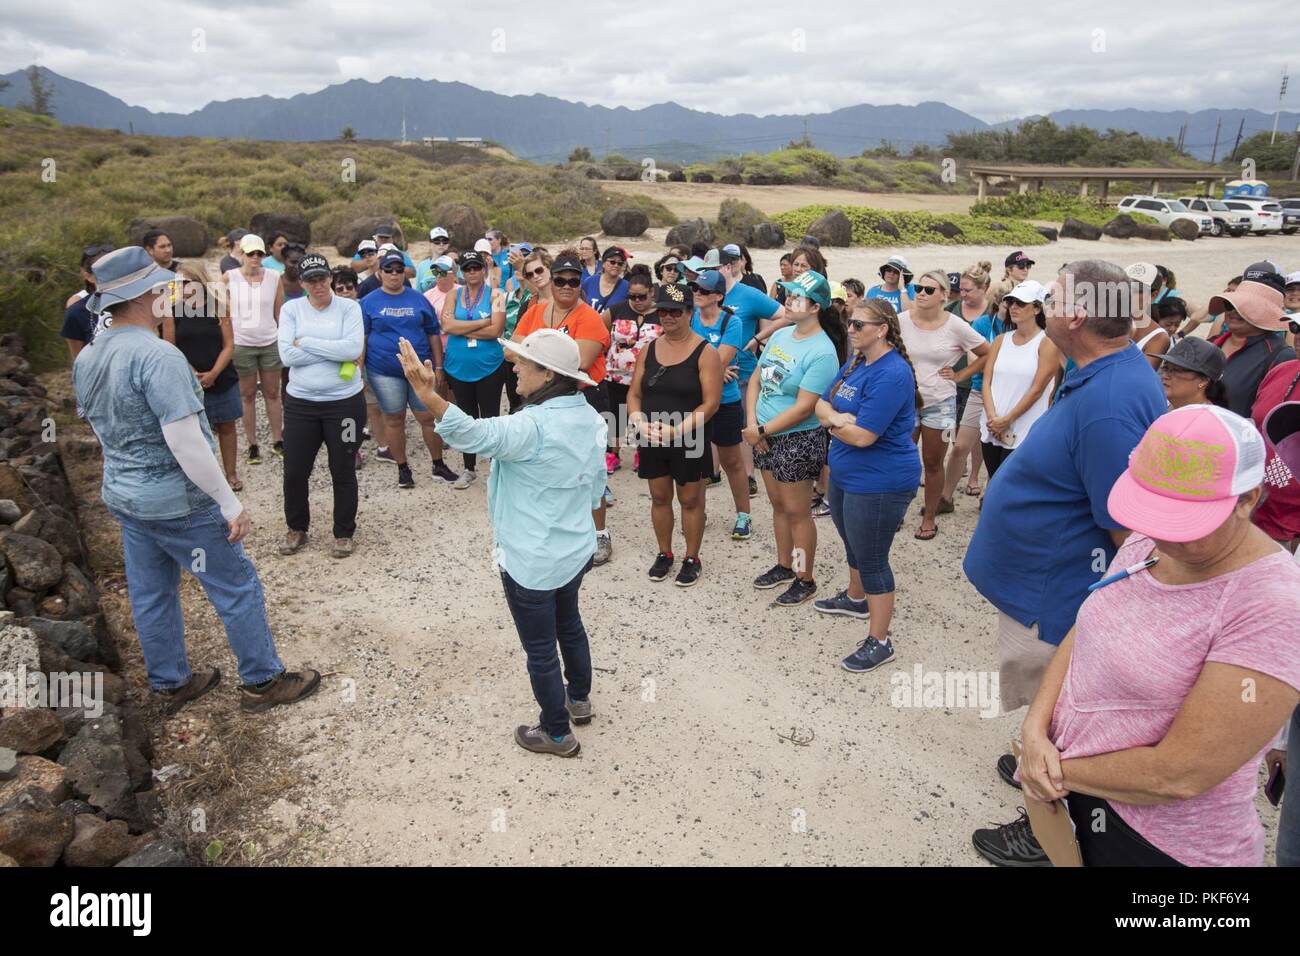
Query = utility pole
x=1182 y=135
x=1215 y=150
x=1278 y=112
x=1295 y=166
x=1240 y=128
x=607 y=142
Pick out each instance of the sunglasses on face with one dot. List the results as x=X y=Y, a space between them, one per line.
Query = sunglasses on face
x=344 y=286
x=926 y=289
x=536 y=273
x=441 y=242
x=572 y=283
x=255 y=254
x=1016 y=302
x=672 y=313
x=471 y=268
x=638 y=298
x=393 y=271
x=857 y=325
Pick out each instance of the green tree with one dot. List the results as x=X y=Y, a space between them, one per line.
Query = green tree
x=41 y=92
x=581 y=154
x=1276 y=157
x=348 y=134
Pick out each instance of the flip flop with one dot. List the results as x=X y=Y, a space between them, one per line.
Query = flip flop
x=236 y=485
x=974 y=490
x=923 y=535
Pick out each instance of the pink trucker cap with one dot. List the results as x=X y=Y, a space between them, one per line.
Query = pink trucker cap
x=1184 y=477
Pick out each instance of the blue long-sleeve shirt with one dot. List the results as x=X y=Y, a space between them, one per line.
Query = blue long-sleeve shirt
x=548 y=475
x=326 y=339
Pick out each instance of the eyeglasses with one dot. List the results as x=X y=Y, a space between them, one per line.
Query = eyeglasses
x=653 y=380
x=566 y=283
x=536 y=273
x=393 y=270
x=926 y=289
x=344 y=286
x=857 y=325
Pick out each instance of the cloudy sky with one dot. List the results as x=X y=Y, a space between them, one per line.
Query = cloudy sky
x=994 y=60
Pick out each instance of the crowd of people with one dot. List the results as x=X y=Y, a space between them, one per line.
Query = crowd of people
x=1136 y=528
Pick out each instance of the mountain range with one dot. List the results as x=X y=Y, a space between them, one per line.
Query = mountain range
x=545 y=129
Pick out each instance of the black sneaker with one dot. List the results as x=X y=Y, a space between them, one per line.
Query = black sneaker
x=440 y=470
x=1011 y=844
x=663 y=564
x=404 y=477
x=715 y=478
x=254 y=455
x=1007 y=770
x=773 y=578
x=689 y=573
x=798 y=592
x=753 y=488
x=278 y=448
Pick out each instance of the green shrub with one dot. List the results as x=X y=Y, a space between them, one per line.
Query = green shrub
x=734 y=219
x=913 y=227
x=1053 y=205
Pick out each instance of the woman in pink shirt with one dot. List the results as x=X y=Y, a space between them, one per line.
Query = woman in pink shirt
x=1154 y=714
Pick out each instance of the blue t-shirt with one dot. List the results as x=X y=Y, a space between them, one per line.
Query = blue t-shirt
x=882 y=397
x=726 y=331
x=984 y=325
x=130 y=383
x=591 y=293
x=271 y=262
x=502 y=259
x=468 y=359
x=896 y=297
x=405 y=258
x=790 y=365
x=1042 y=534
x=388 y=318
x=751 y=306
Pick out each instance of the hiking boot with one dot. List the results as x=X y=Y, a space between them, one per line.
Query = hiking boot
x=1011 y=844
x=798 y=592
x=440 y=470
x=604 y=548
x=342 y=548
x=200 y=682
x=254 y=455
x=689 y=572
x=294 y=541
x=466 y=478
x=663 y=564
x=404 y=477
x=579 y=710
x=383 y=454
x=1007 y=770
x=743 y=529
x=287 y=687
x=540 y=742
x=753 y=488
x=843 y=604
x=869 y=655
x=774 y=577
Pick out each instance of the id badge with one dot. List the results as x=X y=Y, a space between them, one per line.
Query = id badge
x=472 y=344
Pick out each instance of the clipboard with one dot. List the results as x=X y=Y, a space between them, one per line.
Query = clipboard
x=1053 y=831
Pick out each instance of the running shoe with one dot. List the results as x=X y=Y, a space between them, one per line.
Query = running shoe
x=278 y=448
x=663 y=564
x=821 y=509
x=869 y=655
x=1007 y=770
x=467 y=478
x=383 y=454
x=715 y=478
x=440 y=470
x=604 y=548
x=743 y=529
x=774 y=577
x=404 y=477
x=580 y=711
x=254 y=455
x=689 y=572
x=798 y=592
x=612 y=464
x=1012 y=844
x=843 y=604
x=540 y=742
x=753 y=488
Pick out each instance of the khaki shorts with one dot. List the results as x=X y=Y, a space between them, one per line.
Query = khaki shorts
x=250 y=358
x=1022 y=658
x=970 y=418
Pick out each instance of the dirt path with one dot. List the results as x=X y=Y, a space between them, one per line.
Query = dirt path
x=688 y=200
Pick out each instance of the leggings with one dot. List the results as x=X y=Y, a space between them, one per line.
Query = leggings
x=867 y=525
x=336 y=425
x=1106 y=840
x=994 y=456
x=618 y=408
x=480 y=399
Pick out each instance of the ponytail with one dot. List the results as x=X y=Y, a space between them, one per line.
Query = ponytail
x=833 y=326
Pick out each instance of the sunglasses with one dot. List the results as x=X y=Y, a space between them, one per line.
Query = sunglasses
x=926 y=289
x=638 y=298
x=256 y=254
x=472 y=267
x=857 y=325
x=440 y=242
x=675 y=313
x=653 y=380
x=615 y=262
x=536 y=273
x=393 y=270
x=566 y=283
x=344 y=286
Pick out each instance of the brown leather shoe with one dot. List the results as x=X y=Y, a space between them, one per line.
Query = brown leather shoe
x=288 y=687
x=294 y=542
x=342 y=548
x=201 y=681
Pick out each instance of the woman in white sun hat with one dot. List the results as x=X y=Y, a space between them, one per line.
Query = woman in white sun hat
x=548 y=474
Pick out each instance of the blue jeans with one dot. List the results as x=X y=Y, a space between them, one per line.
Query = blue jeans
x=1288 y=826
x=544 y=618
x=867 y=525
x=155 y=552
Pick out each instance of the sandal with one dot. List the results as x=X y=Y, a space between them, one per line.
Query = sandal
x=974 y=490
x=923 y=534
x=235 y=484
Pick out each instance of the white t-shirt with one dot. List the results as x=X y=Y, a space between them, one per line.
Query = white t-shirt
x=933 y=349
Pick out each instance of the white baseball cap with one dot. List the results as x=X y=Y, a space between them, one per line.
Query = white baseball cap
x=437 y=232
x=551 y=348
x=1028 y=291
x=1143 y=272
x=483 y=245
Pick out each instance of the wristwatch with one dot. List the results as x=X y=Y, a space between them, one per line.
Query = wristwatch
x=762 y=431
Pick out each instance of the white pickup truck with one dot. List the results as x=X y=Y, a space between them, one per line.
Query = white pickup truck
x=1166 y=211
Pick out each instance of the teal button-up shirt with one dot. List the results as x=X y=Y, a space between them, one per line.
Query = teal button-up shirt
x=548 y=475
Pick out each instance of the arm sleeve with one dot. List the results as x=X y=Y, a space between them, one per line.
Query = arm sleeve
x=193 y=453
x=821 y=373
x=507 y=437
x=290 y=354
x=344 y=349
x=1101 y=456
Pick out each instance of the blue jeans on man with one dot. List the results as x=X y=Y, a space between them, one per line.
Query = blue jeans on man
x=155 y=552
x=1288 y=825
x=545 y=619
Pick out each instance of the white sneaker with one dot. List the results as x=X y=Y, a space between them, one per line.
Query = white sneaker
x=604 y=548
x=465 y=480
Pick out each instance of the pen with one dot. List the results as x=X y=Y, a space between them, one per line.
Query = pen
x=1127 y=572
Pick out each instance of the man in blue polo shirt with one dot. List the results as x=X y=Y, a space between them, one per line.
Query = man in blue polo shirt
x=1044 y=533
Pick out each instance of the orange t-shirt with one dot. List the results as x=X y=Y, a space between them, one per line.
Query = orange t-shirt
x=582 y=323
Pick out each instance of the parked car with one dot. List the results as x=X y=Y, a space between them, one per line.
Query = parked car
x=1290 y=215
x=1166 y=211
x=1227 y=222
x=1266 y=214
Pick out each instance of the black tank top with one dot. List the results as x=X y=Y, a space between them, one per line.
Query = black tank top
x=672 y=388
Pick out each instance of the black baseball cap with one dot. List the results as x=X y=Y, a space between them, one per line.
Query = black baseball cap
x=614 y=252
x=566 y=264
x=391 y=258
x=675 y=295
x=314 y=265
x=1197 y=355
x=1018 y=258
x=1266 y=272
x=954 y=281
x=471 y=258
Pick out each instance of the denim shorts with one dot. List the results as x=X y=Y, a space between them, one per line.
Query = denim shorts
x=395 y=394
x=941 y=415
x=224 y=406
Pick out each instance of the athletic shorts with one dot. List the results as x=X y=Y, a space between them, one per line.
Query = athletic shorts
x=250 y=358
x=395 y=394
x=941 y=415
x=728 y=421
x=682 y=464
x=794 y=456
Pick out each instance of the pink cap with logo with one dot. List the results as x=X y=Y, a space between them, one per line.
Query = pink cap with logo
x=1184 y=477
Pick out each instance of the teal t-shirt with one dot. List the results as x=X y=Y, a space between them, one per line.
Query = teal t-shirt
x=751 y=307
x=725 y=331
x=789 y=364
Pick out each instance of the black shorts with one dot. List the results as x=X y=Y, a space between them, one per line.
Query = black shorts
x=795 y=456
x=597 y=397
x=728 y=421
x=679 y=463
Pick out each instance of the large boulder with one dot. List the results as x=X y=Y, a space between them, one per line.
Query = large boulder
x=701 y=177
x=158 y=853
x=731 y=179
x=1047 y=232
x=40 y=774
x=97 y=764
x=36 y=564
x=1077 y=229
x=832 y=229
x=295 y=227
x=946 y=229
x=887 y=227
x=624 y=222
x=72 y=637
x=97 y=842
x=689 y=232
x=30 y=730
x=766 y=235
x=364 y=228
x=1185 y=229
x=189 y=236
x=35 y=837
x=77 y=592
x=1152 y=231
x=462 y=221
x=677 y=176
x=998 y=227
x=1122 y=226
